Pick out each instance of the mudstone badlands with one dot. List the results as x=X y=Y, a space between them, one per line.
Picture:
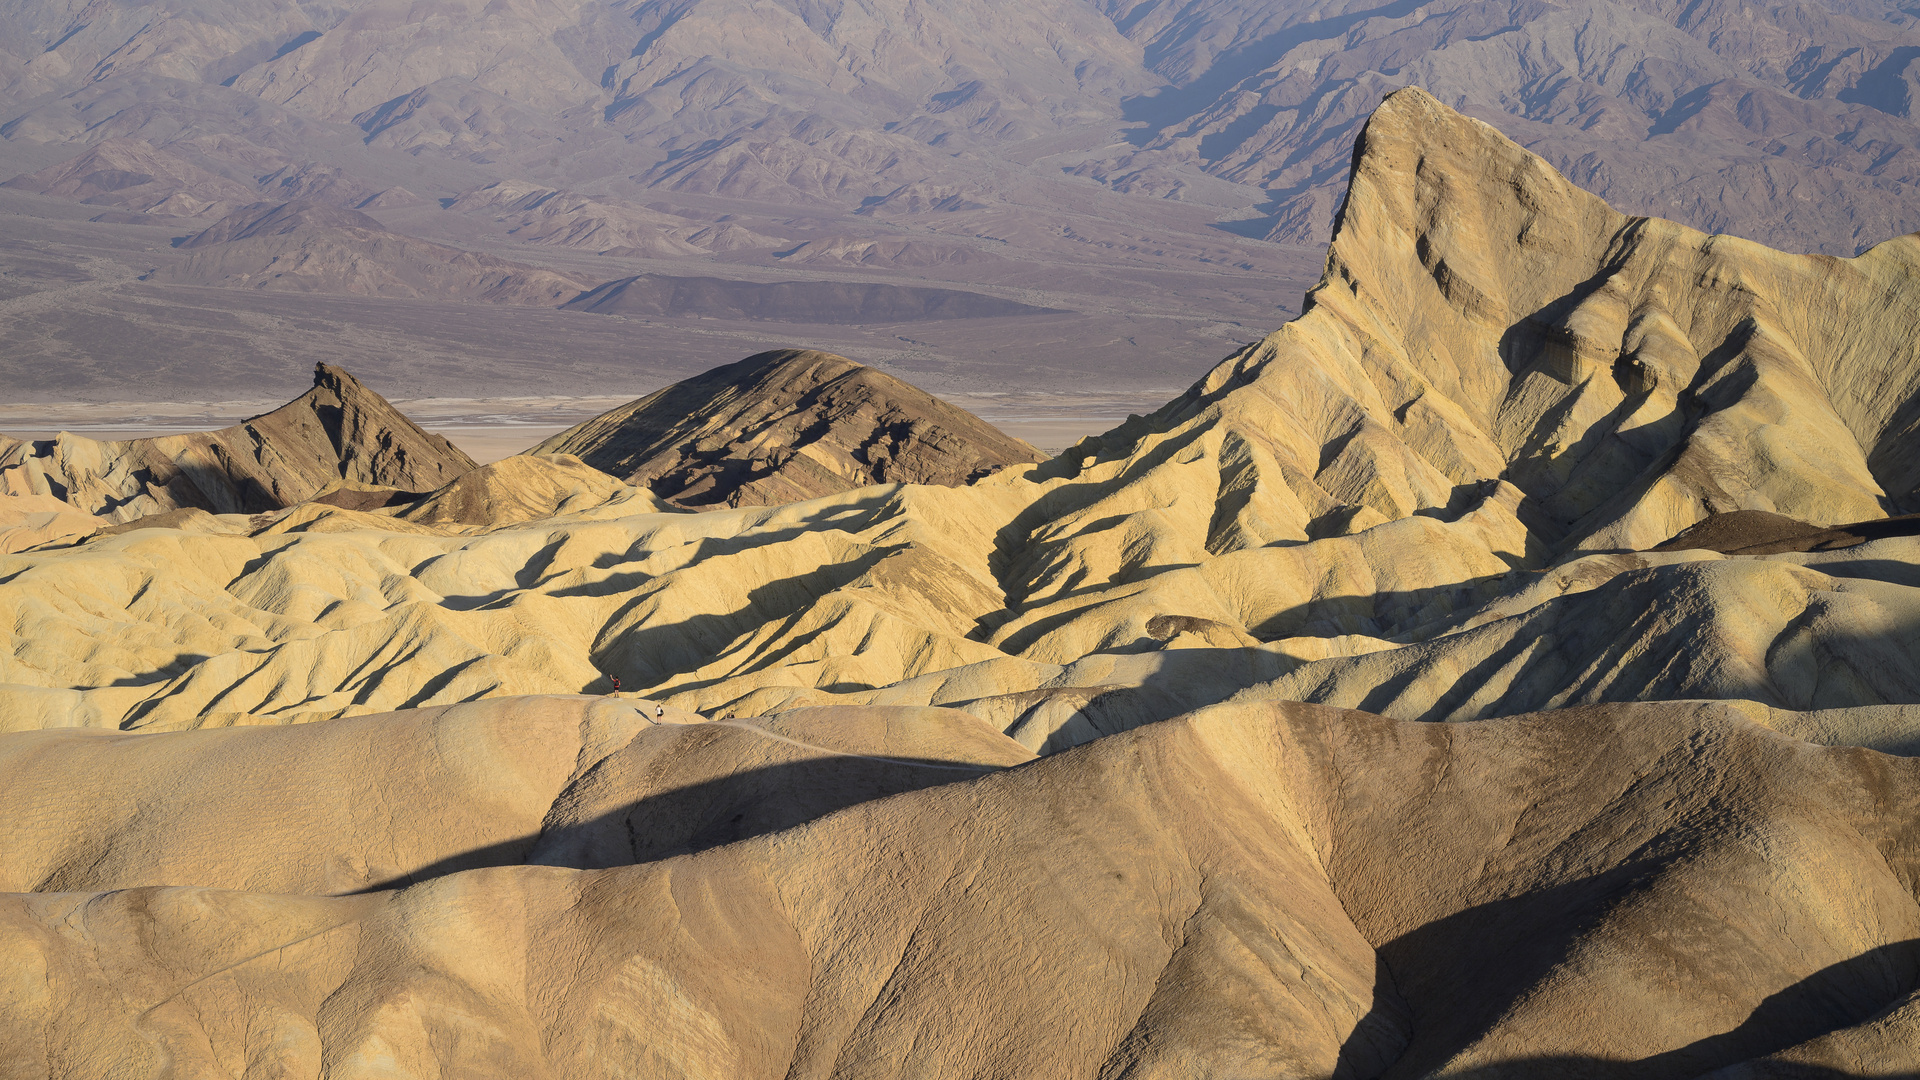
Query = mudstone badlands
x=1505 y=669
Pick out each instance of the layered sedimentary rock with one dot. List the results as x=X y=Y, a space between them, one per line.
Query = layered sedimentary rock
x=338 y=430
x=785 y=426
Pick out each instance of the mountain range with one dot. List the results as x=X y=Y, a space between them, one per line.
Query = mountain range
x=1070 y=156
x=1791 y=126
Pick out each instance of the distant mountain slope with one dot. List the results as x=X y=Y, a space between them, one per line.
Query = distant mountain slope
x=312 y=247
x=793 y=301
x=338 y=430
x=1795 y=127
x=784 y=426
x=132 y=174
x=544 y=215
x=270 y=220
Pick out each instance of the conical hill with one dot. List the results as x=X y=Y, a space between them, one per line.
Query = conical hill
x=788 y=425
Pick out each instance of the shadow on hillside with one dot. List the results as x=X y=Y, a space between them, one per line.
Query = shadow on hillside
x=1557 y=1067
x=1439 y=988
x=696 y=817
x=1460 y=975
x=649 y=653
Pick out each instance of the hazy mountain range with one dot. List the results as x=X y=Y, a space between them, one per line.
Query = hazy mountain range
x=1789 y=123
x=1073 y=155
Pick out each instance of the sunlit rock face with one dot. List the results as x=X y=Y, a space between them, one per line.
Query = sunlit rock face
x=1504 y=669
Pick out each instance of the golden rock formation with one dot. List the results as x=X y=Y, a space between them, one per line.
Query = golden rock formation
x=1130 y=763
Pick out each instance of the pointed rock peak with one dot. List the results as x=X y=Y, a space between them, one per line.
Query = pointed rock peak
x=787 y=425
x=1497 y=228
x=372 y=442
x=339 y=430
x=1489 y=337
x=339 y=381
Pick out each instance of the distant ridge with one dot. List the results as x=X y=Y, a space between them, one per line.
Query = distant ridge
x=133 y=175
x=339 y=430
x=308 y=246
x=793 y=301
x=787 y=425
x=267 y=219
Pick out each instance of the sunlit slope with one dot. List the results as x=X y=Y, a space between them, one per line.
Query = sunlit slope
x=1251 y=890
x=1375 y=506
x=384 y=801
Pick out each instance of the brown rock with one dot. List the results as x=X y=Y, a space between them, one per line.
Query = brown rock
x=338 y=430
x=784 y=426
x=1757 y=532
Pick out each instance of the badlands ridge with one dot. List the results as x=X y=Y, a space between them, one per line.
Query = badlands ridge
x=1505 y=669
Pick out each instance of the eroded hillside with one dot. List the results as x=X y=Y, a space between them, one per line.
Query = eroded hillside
x=1497 y=375
x=1523 y=626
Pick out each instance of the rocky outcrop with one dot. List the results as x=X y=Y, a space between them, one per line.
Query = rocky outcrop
x=338 y=430
x=1485 y=322
x=788 y=425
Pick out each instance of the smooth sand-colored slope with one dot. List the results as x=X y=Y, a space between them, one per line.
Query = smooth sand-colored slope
x=1650 y=891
